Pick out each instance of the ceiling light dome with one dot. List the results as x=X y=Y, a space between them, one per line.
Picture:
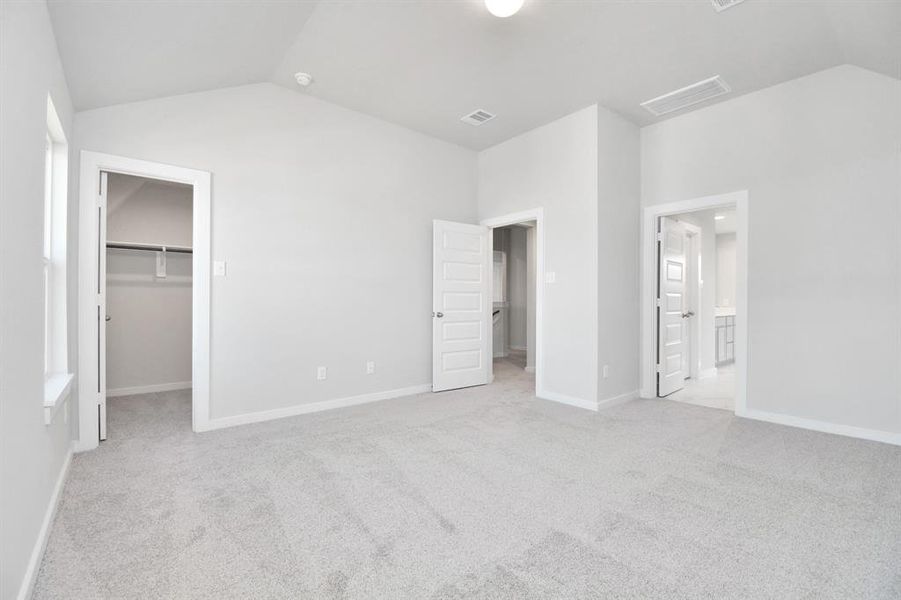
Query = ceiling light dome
x=503 y=8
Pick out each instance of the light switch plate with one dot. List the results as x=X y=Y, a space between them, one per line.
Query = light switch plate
x=550 y=277
x=321 y=373
x=370 y=367
x=219 y=268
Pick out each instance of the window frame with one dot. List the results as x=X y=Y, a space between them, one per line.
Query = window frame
x=57 y=378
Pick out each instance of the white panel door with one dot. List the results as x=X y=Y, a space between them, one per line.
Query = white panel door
x=461 y=306
x=671 y=307
x=101 y=306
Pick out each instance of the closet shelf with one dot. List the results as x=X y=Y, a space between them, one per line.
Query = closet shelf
x=149 y=247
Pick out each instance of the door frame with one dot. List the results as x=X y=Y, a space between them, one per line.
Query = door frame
x=92 y=164
x=537 y=215
x=650 y=214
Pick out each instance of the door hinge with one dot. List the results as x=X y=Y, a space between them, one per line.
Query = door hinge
x=659 y=303
x=659 y=368
x=659 y=236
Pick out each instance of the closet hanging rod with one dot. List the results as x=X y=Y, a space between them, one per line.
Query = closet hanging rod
x=150 y=247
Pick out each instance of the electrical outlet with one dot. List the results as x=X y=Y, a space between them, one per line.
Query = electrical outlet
x=550 y=277
x=219 y=268
x=321 y=373
x=606 y=371
x=370 y=367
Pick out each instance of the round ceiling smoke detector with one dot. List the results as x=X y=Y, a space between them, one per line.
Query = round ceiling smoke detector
x=503 y=8
x=303 y=79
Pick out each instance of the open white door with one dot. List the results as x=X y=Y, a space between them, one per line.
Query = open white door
x=101 y=306
x=670 y=306
x=461 y=306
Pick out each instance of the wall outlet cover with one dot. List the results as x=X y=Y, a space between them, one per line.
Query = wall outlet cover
x=219 y=268
x=321 y=373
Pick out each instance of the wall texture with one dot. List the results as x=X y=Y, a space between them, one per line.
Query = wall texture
x=555 y=167
x=618 y=232
x=820 y=159
x=307 y=204
x=32 y=454
x=517 y=273
x=148 y=338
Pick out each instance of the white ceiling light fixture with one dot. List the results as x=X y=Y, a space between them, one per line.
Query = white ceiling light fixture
x=303 y=79
x=719 y=217
x=503 y=8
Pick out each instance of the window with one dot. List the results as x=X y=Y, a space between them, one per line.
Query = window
x=48 y=259
x=57 y=379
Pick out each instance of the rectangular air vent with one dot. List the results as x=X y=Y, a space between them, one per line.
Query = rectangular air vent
x=477 y=117
x=721 y=5
x=692 y=94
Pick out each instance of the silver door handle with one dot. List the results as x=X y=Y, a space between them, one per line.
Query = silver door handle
x=108 y=318
x=438 y=314
x=688 y=314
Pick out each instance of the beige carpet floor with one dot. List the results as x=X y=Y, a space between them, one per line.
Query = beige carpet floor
x=479 y=493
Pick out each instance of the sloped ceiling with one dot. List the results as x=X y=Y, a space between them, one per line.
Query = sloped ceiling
x=424 y=64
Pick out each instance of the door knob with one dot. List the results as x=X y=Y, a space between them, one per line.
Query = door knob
x=108 y=318
x=438 y=314
x=688 y=314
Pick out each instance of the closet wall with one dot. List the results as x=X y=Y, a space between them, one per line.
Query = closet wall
x=148 y=338
x=517 y=274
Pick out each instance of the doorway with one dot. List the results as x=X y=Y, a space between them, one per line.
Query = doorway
x=694 y=294
x=137 y=259
x=146 y=283
x=513 y=300
x=463 y=307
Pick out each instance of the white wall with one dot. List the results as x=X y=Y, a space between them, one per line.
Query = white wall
x=531 y=278
x=725 y=269
x=148 y=338
x=148 y=212
x=820 y=159
x=555 y=167
x=517 y=289
x=618 y=232
x=295 y=178
x=32 y=454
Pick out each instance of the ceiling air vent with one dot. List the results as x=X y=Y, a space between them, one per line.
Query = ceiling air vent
x=692 y=94
x=721 y=5
x=477 y=117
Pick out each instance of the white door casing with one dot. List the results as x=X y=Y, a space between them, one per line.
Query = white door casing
x=101 y=305
x=461 y=306
x=671 y=305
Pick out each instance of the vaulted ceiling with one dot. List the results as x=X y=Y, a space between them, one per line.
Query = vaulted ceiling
x=425 y=63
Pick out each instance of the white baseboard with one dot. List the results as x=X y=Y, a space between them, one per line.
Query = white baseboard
x=303 y=409
x=40 y=544
x=149 y=389
x=569 y=400
x=518 y=348
x=616 y=400
x=874 y=435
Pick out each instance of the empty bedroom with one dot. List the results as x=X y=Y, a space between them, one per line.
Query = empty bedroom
x=450 y=299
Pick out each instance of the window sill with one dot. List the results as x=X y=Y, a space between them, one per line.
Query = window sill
x=56 y=392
